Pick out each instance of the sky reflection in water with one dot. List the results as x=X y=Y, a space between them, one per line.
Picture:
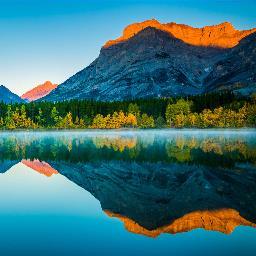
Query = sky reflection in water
x=150 y=182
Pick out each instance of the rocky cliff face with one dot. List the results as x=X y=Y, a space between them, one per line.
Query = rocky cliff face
x=7 y=96
x=39 y=91
x=161 y=60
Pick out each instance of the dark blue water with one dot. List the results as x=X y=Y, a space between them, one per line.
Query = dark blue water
x=56 y=190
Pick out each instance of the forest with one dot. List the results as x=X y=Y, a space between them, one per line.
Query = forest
x=213 y=110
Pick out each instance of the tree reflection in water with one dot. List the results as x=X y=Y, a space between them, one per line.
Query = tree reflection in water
x=154 y=182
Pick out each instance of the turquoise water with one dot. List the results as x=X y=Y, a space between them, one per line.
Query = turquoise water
x=71 y=193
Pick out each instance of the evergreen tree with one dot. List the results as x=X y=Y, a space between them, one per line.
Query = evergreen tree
x=54 y=116
x=160 y=122
x=39 y=118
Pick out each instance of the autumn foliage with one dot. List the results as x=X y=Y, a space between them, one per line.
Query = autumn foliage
x=204 y=111
x=114 y=121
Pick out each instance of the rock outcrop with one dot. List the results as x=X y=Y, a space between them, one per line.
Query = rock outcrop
x=39 y=91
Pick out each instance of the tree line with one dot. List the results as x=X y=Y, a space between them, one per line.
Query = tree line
x=202 y=111
x=201 y=150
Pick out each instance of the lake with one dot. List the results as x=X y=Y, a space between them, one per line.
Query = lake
x=128 y=192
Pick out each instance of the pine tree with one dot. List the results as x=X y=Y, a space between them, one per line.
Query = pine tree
x=54 y=116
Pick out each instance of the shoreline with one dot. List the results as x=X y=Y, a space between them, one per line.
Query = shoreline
x=129 y=129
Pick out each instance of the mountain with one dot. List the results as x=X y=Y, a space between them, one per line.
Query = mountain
x=7 y=96
x=39 y=91
x=160 y=60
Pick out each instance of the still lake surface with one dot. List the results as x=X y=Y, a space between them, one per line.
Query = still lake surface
x=150 y=192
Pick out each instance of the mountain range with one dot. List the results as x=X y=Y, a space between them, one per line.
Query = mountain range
x=152 y=59
x=36 y=93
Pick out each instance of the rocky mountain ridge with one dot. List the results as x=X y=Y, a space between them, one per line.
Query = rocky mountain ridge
x=165 y=60
x=222 y=35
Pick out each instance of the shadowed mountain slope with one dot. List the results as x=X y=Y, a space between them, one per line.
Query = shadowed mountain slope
x=7 y=96
x=237 y=71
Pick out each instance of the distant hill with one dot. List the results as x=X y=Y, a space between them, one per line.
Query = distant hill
x=7 y=96
x=39 y=91
x=152 y=59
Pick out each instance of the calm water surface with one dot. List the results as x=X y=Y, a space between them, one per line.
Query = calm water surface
x=152 y=192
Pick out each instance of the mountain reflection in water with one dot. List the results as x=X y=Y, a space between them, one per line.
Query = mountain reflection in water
x=155 y=182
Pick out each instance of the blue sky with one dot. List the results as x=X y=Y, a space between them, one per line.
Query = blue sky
x=53 y=39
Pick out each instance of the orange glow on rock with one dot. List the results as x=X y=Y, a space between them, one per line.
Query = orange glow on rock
x=41 y=167
x=222 y=220
x=223 y=35
x=39 y=91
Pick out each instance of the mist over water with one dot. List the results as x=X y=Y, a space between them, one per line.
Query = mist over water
x=128 y=192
